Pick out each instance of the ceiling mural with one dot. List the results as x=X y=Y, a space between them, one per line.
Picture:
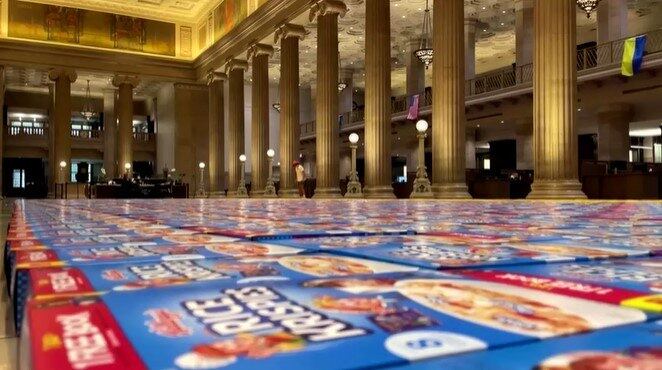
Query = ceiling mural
x=495 y=34
x=74 y=26
x=183 y=11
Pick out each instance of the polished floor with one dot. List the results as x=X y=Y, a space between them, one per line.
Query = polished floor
x=8 y=340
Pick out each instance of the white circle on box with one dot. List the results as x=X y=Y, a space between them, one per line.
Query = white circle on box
x=419 y=345
x=195 y=361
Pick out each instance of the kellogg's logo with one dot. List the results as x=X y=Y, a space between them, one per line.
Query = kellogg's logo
x=166 y=323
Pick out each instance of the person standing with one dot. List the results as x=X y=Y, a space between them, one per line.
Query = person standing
x=300 y=174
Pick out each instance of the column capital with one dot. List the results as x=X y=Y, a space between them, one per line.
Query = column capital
x=213 y=76
x=233 y=64
x=255 y=50
x=289 y=30
x=119 y=80
x=471 y=22
x=58 y=73
x=324 y=7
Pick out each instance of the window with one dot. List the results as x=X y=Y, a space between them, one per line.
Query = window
x=18 y=179
x=74 y=171
x=486 y=164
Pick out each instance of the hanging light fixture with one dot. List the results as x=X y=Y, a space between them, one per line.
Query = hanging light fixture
x=88 y=110
x=341 y=84
x=425 y=53
x=276 y=106
x=588 y=6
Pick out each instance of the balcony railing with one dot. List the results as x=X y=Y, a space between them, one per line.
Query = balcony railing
x=602 y=55
x=25 y=131
x=143 y=137
x=87 y=134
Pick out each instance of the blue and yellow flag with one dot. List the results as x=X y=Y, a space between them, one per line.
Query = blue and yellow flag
x=633 y=55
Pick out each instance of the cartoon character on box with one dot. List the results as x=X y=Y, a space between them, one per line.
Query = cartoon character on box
x=633 y=359
x=226 y=352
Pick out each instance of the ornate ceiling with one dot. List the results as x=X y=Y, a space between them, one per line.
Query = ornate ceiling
x=495 y=36
x=183 y=11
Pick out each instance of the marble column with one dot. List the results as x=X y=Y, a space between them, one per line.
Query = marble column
x=110 y=134
x=216 y=165
x=554 y=101
x=612 y=20
x=289 y=36
x=415 y=69
x=259 y=55
x=614 y=132
x=3 y=124
x=470 y=25
x=60 y=122
x=524 y=143
x=326 y=12
x=378 y=100
x=346 y=97
x=448 y=118
x=524 y=32
x=124 y=112
x=235 y=71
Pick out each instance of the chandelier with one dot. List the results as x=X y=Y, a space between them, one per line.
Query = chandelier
x=588 y=6
x=425 y=53
x=342 y=85
x=88 y=109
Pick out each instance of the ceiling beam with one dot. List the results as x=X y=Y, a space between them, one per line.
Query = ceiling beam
x=45 y=56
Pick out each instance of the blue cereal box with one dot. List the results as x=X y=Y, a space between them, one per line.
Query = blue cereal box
x=323 y=324
x=445 y=252
x=632 y=347
x=634 y=282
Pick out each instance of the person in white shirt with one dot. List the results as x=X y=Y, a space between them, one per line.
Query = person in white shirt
x=300 y=176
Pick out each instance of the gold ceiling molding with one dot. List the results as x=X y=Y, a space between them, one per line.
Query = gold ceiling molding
x=175 y=11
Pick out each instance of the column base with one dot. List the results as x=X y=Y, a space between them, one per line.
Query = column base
x=556 y=189
x=289 y=193
x=379 y=192
x=235 y=194
x=457 y=190
x=328 y=193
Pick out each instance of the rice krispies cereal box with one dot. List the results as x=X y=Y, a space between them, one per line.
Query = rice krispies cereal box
x=364 y=321
x=631 y=347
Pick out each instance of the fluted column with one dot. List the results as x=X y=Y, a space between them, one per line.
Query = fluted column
x=554 y=101
x=60 y=122
x=235 y=71
x=124 y=109
x=327 y=131
x=289 y=36
x=470 y=25
x=109 y=133
x=448 y=120
x=259 y=55
x=524 y=32
x=614 y=131
x=378 y=100
x=415 y=68
x=2 y=121
x=216 y=165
